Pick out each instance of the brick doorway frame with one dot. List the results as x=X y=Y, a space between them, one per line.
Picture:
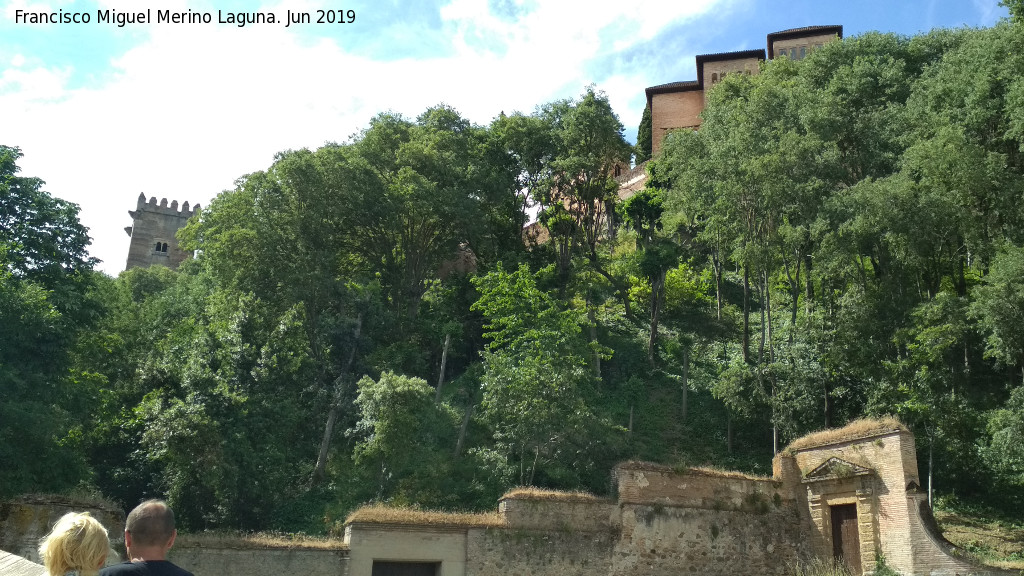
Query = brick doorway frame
x=837 y=483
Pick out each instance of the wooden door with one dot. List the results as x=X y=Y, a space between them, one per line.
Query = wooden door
x=846 y=537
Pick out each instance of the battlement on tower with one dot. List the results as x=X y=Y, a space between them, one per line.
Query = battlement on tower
x=154 y=232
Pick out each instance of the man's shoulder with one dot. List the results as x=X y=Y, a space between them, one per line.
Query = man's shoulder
x=148 y=568
x=123 y=569
x=166 y=568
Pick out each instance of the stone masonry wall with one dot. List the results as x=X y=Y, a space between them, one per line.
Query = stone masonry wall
x=152 y=223
x=706 y=523
x=570 y=551
x=260 y=562
x=24 y=522
x=536 y=514
x=648 y=483
x=676 y=540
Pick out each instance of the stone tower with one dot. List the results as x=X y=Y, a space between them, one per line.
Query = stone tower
x=153 y=233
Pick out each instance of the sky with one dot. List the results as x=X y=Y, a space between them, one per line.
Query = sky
x=103 y=112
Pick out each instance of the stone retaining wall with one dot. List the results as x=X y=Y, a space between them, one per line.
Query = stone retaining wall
x=25 y=521
x=260 y=562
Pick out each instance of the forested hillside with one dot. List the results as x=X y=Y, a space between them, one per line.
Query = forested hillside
x=843 y=237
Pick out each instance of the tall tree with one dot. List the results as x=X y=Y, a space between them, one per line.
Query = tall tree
x=644 y=140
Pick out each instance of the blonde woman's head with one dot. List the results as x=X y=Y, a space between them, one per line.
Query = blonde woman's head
x=78 y=542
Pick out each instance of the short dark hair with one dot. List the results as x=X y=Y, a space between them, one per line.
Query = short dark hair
x=151 y=523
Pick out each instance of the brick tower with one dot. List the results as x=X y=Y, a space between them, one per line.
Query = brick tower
x=153 y=232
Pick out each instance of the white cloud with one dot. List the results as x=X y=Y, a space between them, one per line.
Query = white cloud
x=191 y=108
x=988 y=11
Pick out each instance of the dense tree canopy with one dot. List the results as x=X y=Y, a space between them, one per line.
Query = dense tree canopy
x=842 y=237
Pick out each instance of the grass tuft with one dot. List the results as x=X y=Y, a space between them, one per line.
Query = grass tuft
x=993 y=541
x=852 y=431
x=691 y=470
x=77 y=497
x=533 y=493
x=257 y=540
x=819 y=567
x=380 y=514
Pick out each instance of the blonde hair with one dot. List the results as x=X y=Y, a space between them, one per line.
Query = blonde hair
x=78 y=542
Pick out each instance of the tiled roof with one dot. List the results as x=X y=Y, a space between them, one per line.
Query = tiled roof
x=807 y=29
x=672 y=87
x=722 y=56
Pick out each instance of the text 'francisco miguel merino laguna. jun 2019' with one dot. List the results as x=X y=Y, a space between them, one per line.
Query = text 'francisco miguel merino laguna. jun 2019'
x=122 y=18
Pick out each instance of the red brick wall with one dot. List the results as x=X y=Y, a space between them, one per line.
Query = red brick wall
x=672 y=112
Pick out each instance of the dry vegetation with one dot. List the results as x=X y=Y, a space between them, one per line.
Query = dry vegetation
x=852 y=431
x=819 y=567
x=380 y=514
x=695 y=471
x=258 y=540
x=719 y=473
x=995 y=543
x=531 y=493
x=74 y=499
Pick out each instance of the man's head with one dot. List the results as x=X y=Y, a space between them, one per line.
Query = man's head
x=150 y=526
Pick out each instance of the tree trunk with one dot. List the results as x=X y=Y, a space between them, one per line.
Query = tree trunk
x=809 y=292
x=592 y=317
x=686 y=383
x=444 y=362
x=620 y=287
x=716 y=263
x=657 y=290
x=794 y=288
x=746 y=314
x=335 y=410
x=533 y=469
x=828 y=405
x=728 y=432
x=463 y=428
x=931 y=444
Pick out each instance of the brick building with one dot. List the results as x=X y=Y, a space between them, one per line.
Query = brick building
x=677 y=105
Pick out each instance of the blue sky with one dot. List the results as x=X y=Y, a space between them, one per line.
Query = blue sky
x=180 y=111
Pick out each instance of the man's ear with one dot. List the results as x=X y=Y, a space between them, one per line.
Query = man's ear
x=170 y=542
x=127 y=539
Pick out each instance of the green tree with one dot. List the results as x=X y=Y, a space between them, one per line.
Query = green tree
x=999 y=308
x=642 y=150
x=536 y=378
x=405 y=437
x=581 y=191
x=44 y=275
